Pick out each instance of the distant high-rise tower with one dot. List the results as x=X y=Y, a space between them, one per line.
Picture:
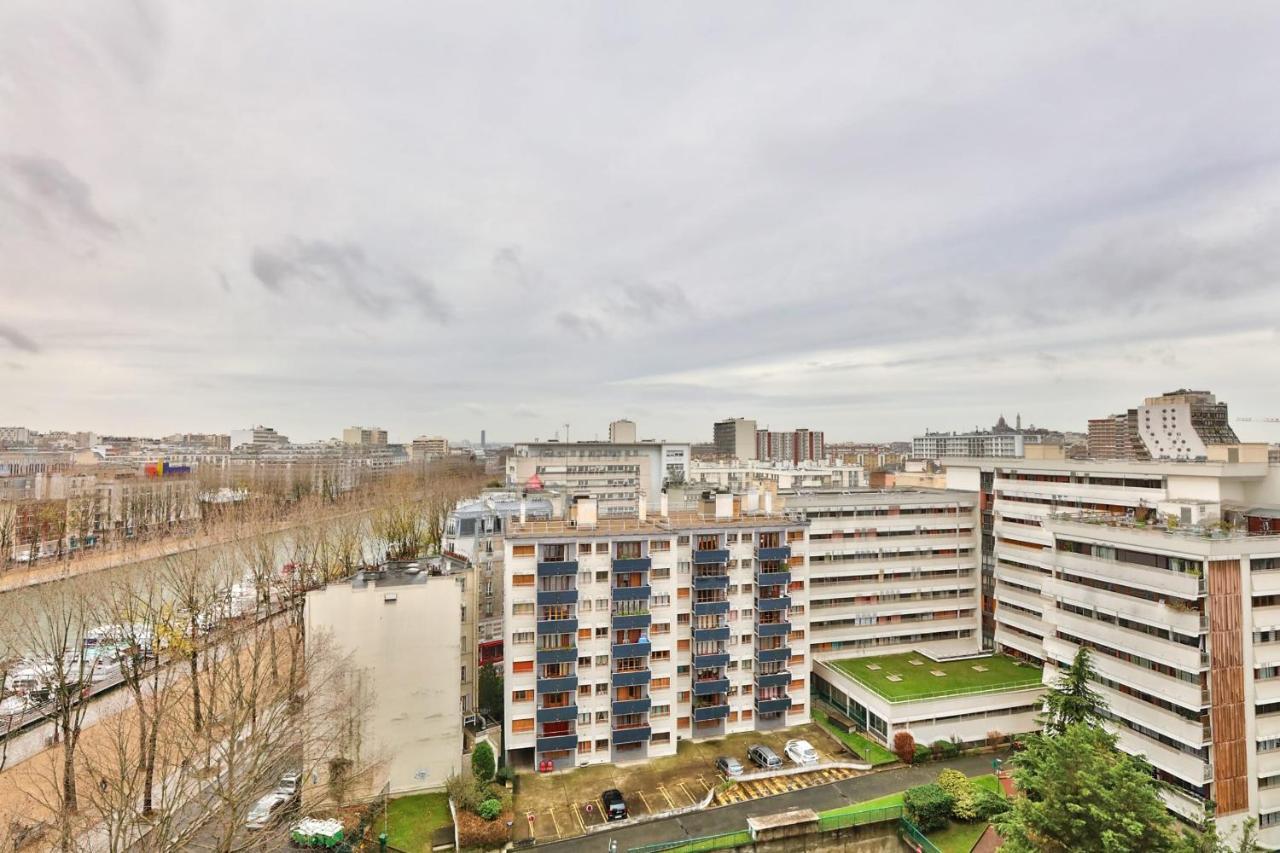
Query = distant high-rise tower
x=482 y=439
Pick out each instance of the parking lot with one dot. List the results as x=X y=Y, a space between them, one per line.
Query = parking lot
x=563 y=805
x=753 y=789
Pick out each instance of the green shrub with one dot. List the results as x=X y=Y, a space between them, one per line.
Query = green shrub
x=489 y=809
x=505 y=775
x=482 y=761
x=964 y=797
x=928 y=807
x=989 y=804
x=465 y=794
x=922 y=754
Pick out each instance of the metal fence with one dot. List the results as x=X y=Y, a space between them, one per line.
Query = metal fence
x=914 y=838
x=829 y=823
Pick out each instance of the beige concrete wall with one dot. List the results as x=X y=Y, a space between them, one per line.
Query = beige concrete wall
x=406 y=657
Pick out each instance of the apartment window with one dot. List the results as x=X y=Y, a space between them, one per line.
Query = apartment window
x=584 y=606
x=658 y=711
x=602 y=632
x=521 y=638
x=659 y=545
x=584 y=746
x=522 y=608
x=746 y=612
x=584 y=547
x=602 y=577
x=602 y=716
x=521 y=695
x=522 y=666
x=522 y=580
x=584 y=578
x=682 y=696
x=522 y=550
x=584 y=633
x=524 y=724
x=682 y=618
x=660 y=684
x=661 y=572
x=660 y=654
x=684 y=567
x=602 y=547
x=602 y=660
x=602 y=744
x=584 y=689
x=464 y=673
x=584 y=719
x=602 y=689
x=660 y=600
x=584 y=662
x=660 y=628
x=602 y=604
x=682 y=540
x=748 y=664
x=746 y=638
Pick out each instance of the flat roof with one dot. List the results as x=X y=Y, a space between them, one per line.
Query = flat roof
x=910 y=676
x=1186 y=468
x=908 y=494
x=676 y=521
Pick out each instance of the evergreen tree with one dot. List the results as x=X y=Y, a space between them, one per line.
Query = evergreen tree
x=1071 y=700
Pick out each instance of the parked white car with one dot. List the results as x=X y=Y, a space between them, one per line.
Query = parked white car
x=801 y=752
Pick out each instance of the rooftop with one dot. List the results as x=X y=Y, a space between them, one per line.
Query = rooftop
x=675 y=520
x=911 y=676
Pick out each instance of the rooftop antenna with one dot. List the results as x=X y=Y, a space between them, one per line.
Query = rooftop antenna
x=566 y=433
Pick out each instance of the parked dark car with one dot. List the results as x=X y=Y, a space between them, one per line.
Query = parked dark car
x=615 y=807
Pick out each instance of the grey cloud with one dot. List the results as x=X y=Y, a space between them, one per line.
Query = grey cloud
x=509 y=265
x=524 y=412
x=580 y=324
x=18 y=340
x=651 y=301
x=345 y=270
x=49 y=194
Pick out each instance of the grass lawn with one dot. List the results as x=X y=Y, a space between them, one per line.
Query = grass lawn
x=987 y=781
x=864 y=748
x=917 y=681
x=959 y=837
x=412 y=820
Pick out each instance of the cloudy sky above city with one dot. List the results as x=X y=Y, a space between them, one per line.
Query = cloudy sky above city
x=863 y=218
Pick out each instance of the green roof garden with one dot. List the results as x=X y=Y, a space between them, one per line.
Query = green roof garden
x=911 y=676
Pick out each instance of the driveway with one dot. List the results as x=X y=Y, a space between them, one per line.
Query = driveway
x=734 y=817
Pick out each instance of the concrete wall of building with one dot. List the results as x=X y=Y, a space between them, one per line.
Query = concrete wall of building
x=406 y=654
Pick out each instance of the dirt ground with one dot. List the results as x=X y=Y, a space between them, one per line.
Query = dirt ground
x=565 y=804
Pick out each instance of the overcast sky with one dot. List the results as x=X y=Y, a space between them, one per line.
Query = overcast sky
x=437 y=218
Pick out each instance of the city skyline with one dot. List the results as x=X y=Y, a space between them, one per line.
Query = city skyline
x=441 y=219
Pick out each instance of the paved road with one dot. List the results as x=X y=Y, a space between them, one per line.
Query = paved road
x=733 y=818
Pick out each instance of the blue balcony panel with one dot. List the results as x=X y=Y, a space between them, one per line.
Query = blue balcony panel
x=710 y=712
x=711 y=582
x=631 y=679
x=783 y=553
x=710 y=608
x=773 y=629
x=562 y=567
x=631 y=650
x=773 y=578
x=782 y=602
x=710 y=687
x=708 y=635
x=772 y=706
x=775 y=679
x=710 y=556
x=631 y=620
x=633 y=564
x=631 y=593
x=771 y=655
x=568 y=655
x=558 y=715
x=558 y=596
x=557 y=743
x=566 y=684
x=639 y=734
x=710 y=661
x=631 y=706
x=558 y=626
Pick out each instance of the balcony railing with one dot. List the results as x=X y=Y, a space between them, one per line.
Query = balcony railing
x=631 y=620
x=772 y=706
x=563 y=714
x=558 y=567
x=778 y=553
x=560 y=684
x=558 y=626
x=781 y=602
x=634 y=678
x=631 y=593
x=568 y=654
x=710 y=712
x=773 y=679
x=773 y=629
x=557 y=596
x=556 y=743
x=635 y=734
x=708 y=556
x=710 y=608
x=771 y=655
x=709 y=635
x=710 y=686
x=632 y=564
x=773 y=578
x=631 y=706
x=710 y=661
x=631 y=650
x=710 y=581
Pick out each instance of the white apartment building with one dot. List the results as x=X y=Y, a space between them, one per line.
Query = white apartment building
x=742 y=475
x=626 y=635
x=622 y=431
x=891 y=570
x=613 y=473
x=426 y=447
x=1180 y=611
x=934 y=445
x=364 y=436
